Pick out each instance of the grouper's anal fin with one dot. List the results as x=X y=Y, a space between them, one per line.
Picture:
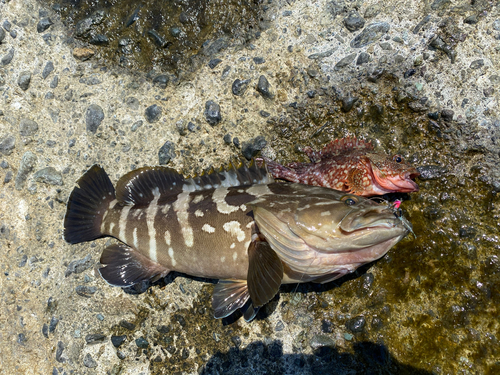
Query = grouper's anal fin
x=124 y=266
x=265 y=273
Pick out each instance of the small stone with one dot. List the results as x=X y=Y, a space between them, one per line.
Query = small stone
x=28 y=163
x=21 y=338
x=117 y=341
x=477 y=64
x=322 y=55
x=263 y=88
x=253 y=146
x=386 y=46
x=142 y=343
x=363 y=58
x=6 y=59
x=319 y=341
x=212 y=113
x=68 y=95
x=326 y=326
x=214 y=62
x=136 y=125
x=45 y=331
x=93 y=118
x=236 y=142
x=354 y=21
x=489 y=91
x=2 y=35
x=24 y=80
x=166 y=153
x=83 y=54
x=157 y=38
x=153 y=113
x=259 y=60
x=8 y=177
x=264 y=114
x=409 y=73
x=7 y=144
x=447 y=115
x=89 y=362
x=175 y=31
x=78 y=266
x=438 y=43
x=99 y=40
x=227 y=139
x=348 y=103
x=49 y=67
x=161 y=80
x=372 y=10
x=127 y=325
x=345 y=61
x=471 y=20
x=13 y=34
x=417 y=107
x=95 y=338
x=132 y=103
x=356 y=324
x=43 y=25
x=53 y=324
x=239 y=86
x=59 y=352
x=431 y=172
x=49 y=176
x=370 y=34
x=311 y=94
x=191 y=127
x=433 y=115
x=85 y=291
x=84 y=26
x=54 y=83
x=4 y=164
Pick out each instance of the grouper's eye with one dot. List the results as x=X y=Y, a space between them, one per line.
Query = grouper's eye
x=349 y=200
x=397 y=158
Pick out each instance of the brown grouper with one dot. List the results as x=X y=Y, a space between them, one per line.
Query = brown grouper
x=236 y=225
x=350 y=165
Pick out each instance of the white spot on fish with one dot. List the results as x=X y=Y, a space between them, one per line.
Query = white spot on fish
x=247 y=244
x=235 y=255
x=233 y=245
x=171 y=255
x=243 y=207
x=122 y=224
x=325 y=213
x=233 y=227
x=250 y=224
x=167 y=238
x=150 y=222
x=208 y=228
x=198 y=213
x=326 y=203
x=219 y=197
x=241 y=191
x=198 y=199
x=303 y=208
x=259 y=190
x=231 y=179
x=223 y=259
x=181 y=206
x=111 y=226
x=165 y=209
x=134 y=235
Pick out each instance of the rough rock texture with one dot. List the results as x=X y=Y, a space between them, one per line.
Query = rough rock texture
x=426 y=83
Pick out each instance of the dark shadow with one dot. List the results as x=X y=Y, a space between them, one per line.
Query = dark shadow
x=260 y=358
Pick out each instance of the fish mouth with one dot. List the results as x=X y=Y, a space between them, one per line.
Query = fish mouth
x=382 y=218
x=402 y=183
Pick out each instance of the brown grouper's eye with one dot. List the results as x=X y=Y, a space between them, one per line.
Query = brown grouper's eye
x=397 y=158
x=349 y=200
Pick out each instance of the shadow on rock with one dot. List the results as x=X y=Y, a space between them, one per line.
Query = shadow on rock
x=261 y=358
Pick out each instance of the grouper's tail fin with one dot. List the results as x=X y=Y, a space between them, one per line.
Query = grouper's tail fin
x=86 y=206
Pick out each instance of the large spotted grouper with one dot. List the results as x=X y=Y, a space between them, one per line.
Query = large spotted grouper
x=351 y=165
x=238 y=226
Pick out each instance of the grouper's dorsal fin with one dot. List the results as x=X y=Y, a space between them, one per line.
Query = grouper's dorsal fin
x=140 y=186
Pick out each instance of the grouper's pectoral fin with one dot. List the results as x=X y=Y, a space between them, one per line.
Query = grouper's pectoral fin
x=124 y=266
x=265 y=273
x=229 y=296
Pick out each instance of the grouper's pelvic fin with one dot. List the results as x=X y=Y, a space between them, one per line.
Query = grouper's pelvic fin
x=86 y=206
x=124 y=266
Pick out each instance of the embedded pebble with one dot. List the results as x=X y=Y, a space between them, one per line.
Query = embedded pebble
x=28 y=163
x=59 y=352
x=345 y=61
x=4 y=164
x=363 y=58
x=6 y=59
x=136 y=125
x=43 y=24
x=7 y=144
x=153 y=113
x=370 y=34
x=319 y=341
x=322 y=55
x=85 y=291
x=214 y=62
x=142 y=343
x=348 y=103
x=117 y=341
x=83 y=54
x=53 y=324
x=89 y=362
x=54 y=83
x=372 y=10
x=447 y=115
x=239 y=86
x=78 y=266
x=93 y=118
x=85 y=25
x=49 y=67
x=259 y=60
x=253 y=146
x=2 y=35
x=431 y=172
x=263 y=88
x=24 y=80
x=127 y=325
x=354 y=21
x=49 y=175
x=191 y=127
x=157 y=38
x=212 y=113
x=476 y=64
x=95 y=338
x=439 y=44
x=356 y=324
x=132 y=103
x=99 y=40
x=227 y=139
x=161 y=81
x=166 y=153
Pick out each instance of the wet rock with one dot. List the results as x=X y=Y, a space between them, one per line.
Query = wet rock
x=217 y=46
x=153 y=113
x=348 y=103
x=447 y=115
x=43 y=24
x=117 y=341
x=24 y=80
x=157 y=38
x=142 y=343
x=377 y=323
x=438 y=43
x=477 y=64
x=95 y=338
x=263 y=88
x=240 y=86
x=363 y=58
x=83 y=54
x=6 y=59
x=370 y=34
x=166 y=153
x=28 y=163
x=49 y=67
x=356 y=324
x=417 y=106
x=49 y=176
x=212 y=113
x=7 y=144
x=175 y=31
x=345 y=61
x=366 y=283
x=319 y=341
x=93 y=118
x=431 y=172
x=161 y=81
x=253 y=146
x=354 y=21
x=214 y=62
x=84 y=26
x=99 y=40
x=78 y=266
x=85 y=291
x=89 y=362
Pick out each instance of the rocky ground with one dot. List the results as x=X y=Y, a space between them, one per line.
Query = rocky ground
x=417 y=78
